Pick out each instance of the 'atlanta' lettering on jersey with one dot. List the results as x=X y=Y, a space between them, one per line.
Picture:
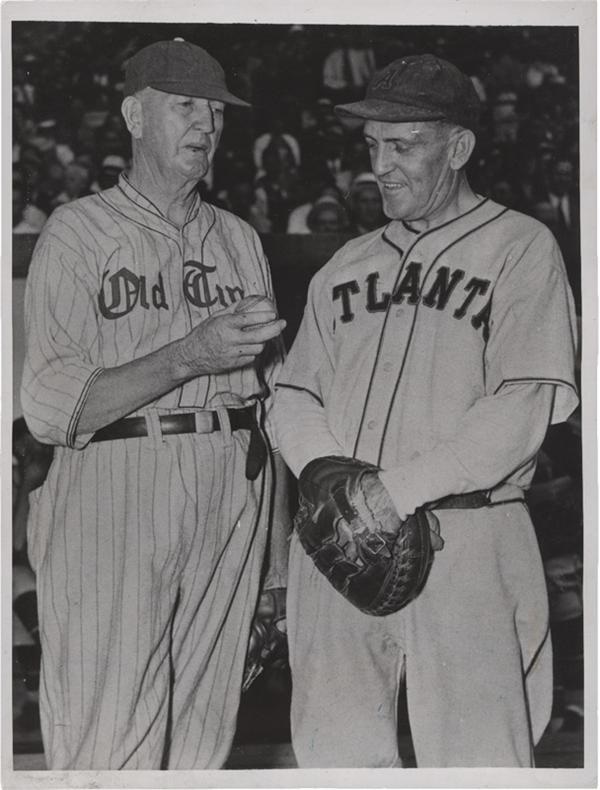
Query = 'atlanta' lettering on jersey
x=409 y=289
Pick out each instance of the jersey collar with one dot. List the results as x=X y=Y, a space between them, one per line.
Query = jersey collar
x=147 y=205
x=399 y=233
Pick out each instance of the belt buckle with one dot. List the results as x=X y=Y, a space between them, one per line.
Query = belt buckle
x=204 y=421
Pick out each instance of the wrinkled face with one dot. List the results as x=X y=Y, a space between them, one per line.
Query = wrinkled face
x=179 y=133
x=411 y=163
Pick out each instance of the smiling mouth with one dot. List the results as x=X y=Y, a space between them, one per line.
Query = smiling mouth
x=393 y=187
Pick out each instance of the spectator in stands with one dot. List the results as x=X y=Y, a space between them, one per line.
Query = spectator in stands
x=349 y=67
x=276 y=131
x=327 y=216
x=503 y=192
x=316 y=185
x=505 y=116
x=355 y=160
x=324 y=153
x=239 y=197
x=27 y=218
x=562 y=198
x=24 y=93
x=108 y=176
x=366 y=209
x=78 y=183
x=277 y=190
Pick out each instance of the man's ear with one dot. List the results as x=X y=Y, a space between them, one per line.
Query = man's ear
x=131 y=110
x=462 y=144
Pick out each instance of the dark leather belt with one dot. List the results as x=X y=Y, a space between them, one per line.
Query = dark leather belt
x=132 y=427
x=470 y=501
x=170 y=424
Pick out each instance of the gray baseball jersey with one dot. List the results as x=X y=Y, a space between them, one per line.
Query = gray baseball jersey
x=439 y=356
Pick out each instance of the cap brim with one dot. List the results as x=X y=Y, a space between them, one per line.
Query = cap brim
x=199 y=91
x=392 y=112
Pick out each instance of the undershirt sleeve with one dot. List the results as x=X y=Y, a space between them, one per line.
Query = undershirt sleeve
x=303 y=387
x=496 y=436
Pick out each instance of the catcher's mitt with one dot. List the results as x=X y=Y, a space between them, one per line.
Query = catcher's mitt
x=267 y=645
x=348 y=525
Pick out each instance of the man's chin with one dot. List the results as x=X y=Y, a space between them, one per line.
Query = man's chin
x=396 y=212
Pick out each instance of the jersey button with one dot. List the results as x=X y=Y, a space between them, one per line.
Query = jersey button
x=371 y=424
x=387 y=367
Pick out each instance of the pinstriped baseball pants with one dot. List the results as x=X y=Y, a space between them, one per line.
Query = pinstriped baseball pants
x=148 y=560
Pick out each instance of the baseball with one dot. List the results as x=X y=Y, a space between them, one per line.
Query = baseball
x=253 y=304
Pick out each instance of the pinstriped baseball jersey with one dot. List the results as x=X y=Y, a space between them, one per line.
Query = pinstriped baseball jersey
x=148 y=551
x=111 y=280
x=399 y=324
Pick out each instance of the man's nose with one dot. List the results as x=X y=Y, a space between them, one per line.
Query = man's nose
x=204 y=118
x=380 y=160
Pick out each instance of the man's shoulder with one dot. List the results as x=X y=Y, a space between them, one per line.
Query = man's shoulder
x=517 y=224
x=90 y=206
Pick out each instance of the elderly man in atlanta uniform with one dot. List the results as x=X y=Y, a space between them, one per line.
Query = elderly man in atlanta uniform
x=149 y=533
x=438 y=348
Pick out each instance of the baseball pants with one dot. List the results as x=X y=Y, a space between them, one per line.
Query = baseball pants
x=148 y=557
x=475 y=646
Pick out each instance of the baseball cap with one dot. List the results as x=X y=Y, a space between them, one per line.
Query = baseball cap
x=178 y=67
x=418 y=88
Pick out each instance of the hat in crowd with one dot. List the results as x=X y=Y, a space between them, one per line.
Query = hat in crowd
x=178 y=67
x=418 y=88
x=113 y=161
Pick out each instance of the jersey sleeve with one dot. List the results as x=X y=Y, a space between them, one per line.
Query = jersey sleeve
x=60 y=326
x=304 y=385
x=532 y=325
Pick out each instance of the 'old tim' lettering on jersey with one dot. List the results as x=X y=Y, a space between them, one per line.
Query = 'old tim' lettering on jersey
x=116 y=280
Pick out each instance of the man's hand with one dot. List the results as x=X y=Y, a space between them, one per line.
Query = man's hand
x=230 y=339
x=267 y=645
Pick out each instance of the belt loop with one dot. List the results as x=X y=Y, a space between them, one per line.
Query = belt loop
x=155 y=435
x=225 y=425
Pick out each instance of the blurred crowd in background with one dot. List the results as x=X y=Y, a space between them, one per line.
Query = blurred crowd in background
x=288 y=165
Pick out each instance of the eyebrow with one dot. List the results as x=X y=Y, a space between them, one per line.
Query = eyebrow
x=405 y=140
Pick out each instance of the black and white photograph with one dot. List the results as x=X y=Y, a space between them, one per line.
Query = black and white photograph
x=299 y=382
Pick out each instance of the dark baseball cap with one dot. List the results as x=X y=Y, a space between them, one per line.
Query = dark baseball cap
x=418 y=88
x=178 y=67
